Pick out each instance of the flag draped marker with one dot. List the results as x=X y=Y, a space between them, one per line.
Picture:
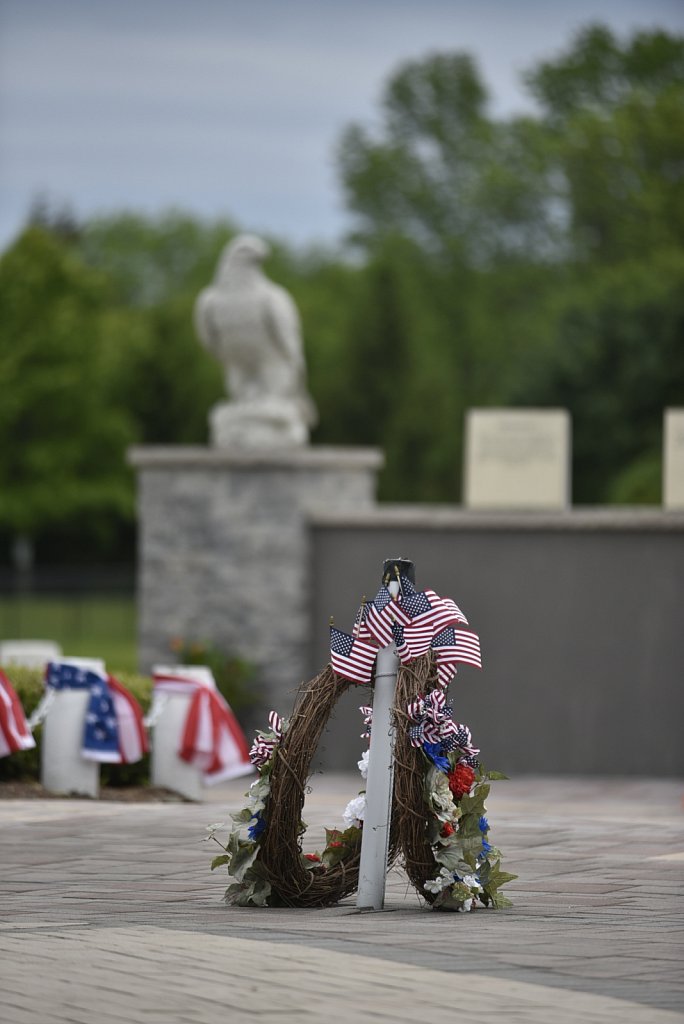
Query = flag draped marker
x=15 y=734
x=211 y=739
x=113 y=729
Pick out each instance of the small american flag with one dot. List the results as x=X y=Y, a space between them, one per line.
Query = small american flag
x=448 y=609
x=468 y=647
x=407 y=588
x=15 y=734
x=403 y=652
x=351 y=657
x=379 y=617
x=444 y=646
x=418 y=636
x=416 y=604
x=452 y=646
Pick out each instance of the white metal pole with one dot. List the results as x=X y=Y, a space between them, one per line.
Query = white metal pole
x=377 y=817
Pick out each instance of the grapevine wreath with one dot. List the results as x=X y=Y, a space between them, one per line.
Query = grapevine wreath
x=438 y=823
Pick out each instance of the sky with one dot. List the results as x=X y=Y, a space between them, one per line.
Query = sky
x=235 y=108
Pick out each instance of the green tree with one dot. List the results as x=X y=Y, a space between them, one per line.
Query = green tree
x=613 y=121
x=614 y=117
x=549 y=247
x=62 y=430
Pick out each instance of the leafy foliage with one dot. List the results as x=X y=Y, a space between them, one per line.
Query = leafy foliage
x=536 y=260
x=233 y=674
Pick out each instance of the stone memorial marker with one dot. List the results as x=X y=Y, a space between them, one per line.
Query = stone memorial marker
x=517 y=459
x=673 y=458
x=29 y=653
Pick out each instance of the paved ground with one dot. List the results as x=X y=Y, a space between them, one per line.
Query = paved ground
x=110 y=915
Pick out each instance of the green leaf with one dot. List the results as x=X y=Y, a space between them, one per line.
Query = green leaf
x=451 y=856
x=244 y=816
x=242 y=894
x=496 y=776
x=223 y=858
x=471 y=844
x=499 y=878
x=261 y=893
x=243 y=859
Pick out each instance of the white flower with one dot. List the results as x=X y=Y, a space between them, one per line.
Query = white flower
x=354 y=811
x=363 y=764
x=465 y=906
x=444 y=879
x=472 y=883
x=441 y=796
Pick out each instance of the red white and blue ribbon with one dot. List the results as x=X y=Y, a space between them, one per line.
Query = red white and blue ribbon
x=367 y=713
x=15 y=734
x=113 y=730
x=432 y=723
x=265 y=744
x=211 y=738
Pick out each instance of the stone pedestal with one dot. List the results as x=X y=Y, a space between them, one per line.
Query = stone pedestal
x=224 y=551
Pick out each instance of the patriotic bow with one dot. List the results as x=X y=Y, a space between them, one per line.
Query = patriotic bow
x=265 y=743
x=367 y=713
x=432 y=721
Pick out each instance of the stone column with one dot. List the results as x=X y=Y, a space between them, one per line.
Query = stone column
x=224 y=550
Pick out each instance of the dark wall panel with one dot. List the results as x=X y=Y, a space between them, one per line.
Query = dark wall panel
x=582 y=637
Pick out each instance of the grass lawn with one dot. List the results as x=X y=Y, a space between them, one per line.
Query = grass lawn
x=86 y=626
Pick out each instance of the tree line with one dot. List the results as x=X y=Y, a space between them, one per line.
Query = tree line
x=534 y=260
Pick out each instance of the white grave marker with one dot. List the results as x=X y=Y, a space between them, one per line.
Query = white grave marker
x=517 y=459
x=63 y=768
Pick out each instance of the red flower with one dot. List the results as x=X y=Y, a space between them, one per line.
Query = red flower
x=312 y=856
x=460 y=780
x=334 y=846
x=447 y=830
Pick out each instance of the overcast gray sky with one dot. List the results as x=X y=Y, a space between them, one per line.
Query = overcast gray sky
x=234 y=107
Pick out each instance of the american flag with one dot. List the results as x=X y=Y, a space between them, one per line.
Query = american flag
x=416 y=604
x=444 y=646
x=407 y=588
x=15 y=734
x=403 y=652
x=418 y=636
x=468 y=647
x=113 y=730
x=452 y=646
x=361 y=630
x=379 y=617
x=351 y=657
x=211 y=738
x=446 y=654
x=450 y=612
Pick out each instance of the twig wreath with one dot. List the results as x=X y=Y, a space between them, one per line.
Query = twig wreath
x=438 y=822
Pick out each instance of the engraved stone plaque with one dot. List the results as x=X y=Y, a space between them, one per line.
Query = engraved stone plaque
x=517 y=459
x=673 y=458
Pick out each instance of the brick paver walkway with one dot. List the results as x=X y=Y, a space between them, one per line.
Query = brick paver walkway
x=110 y=915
